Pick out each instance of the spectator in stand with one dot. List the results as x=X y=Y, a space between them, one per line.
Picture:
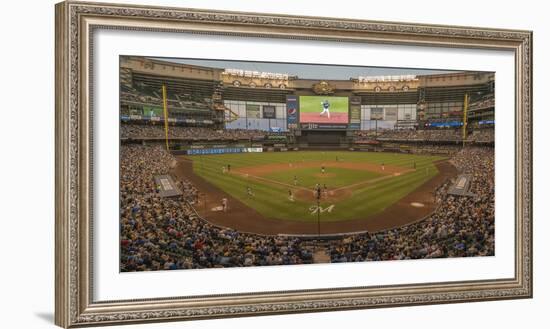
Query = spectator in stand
x=140 y=131
x=444 y=134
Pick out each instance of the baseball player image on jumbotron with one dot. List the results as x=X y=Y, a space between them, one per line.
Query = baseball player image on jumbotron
x=326 y=108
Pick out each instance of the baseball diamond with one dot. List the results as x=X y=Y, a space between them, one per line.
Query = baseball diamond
x=357 y=189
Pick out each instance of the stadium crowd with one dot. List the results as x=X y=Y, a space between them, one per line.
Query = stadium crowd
x=163 y=233
x=479 y=135
x=436 y=149
x=129 y=94
x=191 y=133
x=486 y=101
x=483 y=135
x=427 y=135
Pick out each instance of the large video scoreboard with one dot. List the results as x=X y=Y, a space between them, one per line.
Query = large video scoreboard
x=323 y=112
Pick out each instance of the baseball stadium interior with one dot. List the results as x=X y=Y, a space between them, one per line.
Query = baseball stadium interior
x=179 y=120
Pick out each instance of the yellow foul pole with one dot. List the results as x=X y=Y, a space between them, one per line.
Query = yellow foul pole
x=165 y=106
x=465 y=118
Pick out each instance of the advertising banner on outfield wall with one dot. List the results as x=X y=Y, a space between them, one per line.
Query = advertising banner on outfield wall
x=227 y=150
x=214 y=151
x=253 y=150
x=292 y=111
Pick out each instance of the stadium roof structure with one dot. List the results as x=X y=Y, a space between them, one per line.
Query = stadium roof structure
x=306 y=70
x=272 y=82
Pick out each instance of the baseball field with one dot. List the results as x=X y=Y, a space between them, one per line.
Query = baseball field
x=281 y=186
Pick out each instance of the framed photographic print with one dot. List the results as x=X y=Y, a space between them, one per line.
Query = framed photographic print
x=219 y=164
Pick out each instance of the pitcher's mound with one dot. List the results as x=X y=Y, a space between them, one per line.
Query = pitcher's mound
x=329 y=196
x=325 y=175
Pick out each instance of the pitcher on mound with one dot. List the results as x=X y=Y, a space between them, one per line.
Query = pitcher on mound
x=326 y=105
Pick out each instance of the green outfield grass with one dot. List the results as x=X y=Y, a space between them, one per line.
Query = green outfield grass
x=312 y=104
x=271 y=193
x=333 y=177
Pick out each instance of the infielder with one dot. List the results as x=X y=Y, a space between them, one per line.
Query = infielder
x=224 y=204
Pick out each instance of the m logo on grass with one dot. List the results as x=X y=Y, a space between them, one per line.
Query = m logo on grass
x=314 y=209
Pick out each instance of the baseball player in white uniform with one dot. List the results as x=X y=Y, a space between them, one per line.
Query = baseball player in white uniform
x=326 y=108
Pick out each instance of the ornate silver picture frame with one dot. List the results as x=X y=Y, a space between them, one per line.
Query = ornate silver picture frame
x=76 y=23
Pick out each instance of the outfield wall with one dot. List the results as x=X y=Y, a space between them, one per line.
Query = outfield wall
x=223 y=147
x=291 y=148
x=209 y=151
